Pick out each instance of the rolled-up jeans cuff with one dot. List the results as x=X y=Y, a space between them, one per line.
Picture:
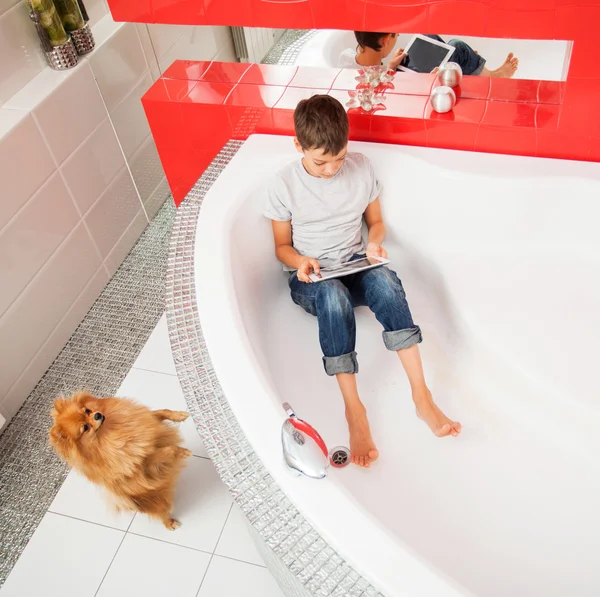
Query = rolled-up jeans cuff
x=346 y=363
x=479 y=69
x=400 y=339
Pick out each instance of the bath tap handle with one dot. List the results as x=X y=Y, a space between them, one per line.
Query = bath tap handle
x=289 y=411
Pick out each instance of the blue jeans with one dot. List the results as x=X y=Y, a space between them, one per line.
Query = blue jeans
x=464 y=55
x=333 y=302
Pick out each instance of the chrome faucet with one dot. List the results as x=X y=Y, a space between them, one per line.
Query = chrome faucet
x=304 y=450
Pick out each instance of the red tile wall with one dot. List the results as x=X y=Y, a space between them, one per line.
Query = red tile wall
x=196 y=107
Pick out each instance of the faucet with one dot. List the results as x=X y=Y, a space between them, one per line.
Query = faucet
x=304 y=450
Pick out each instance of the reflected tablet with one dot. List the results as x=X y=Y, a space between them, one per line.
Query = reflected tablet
x=350 y=267
x=425 y=54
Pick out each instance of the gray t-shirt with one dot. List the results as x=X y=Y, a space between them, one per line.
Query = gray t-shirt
x=326 y=213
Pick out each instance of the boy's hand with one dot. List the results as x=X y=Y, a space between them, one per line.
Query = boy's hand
x=375 y=250
x=397 y=58
x=307 y=266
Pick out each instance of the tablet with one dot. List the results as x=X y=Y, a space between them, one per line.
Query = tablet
x=350 y=267
x=425 y=54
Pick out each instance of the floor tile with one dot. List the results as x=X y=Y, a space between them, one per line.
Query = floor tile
x=202 y=504
x=226 y=578
x=81 y=499
x=235 y=541
x=149 y=568
x=157 y=390
x=156 y=355
x=65 y=558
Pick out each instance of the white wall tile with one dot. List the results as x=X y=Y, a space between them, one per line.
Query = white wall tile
x=32 y=235
x=22 y=58
x=154 y=569
x=92 y=166
x=129 y=118
x=30 y=320
x=118 y=65
x=146 y=169
x=75 y=569
x=6 y=5
x=196 y=43
x=96 y=10
x=71 y=113
x=49 y=350
x=25 y=163
x=110 y=216
x=125 y=243
x=163 y=37
x=144 y=36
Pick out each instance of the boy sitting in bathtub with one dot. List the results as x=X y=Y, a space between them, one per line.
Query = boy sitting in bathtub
x=317 y=205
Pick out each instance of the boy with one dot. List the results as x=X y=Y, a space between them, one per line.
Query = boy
x=317 y=206
x=373 y=47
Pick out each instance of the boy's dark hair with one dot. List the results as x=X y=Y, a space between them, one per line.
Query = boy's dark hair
x=369 y=39
x=321 y=123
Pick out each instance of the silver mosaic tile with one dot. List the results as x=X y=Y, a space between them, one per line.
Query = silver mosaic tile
x=286 y=50
x=296 y=554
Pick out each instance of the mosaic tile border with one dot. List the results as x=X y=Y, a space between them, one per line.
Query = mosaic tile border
x=286 y=50
x=300 y=559
x=98 y=356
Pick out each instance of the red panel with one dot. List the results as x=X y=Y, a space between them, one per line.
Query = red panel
x=465 y=111
x=400 y=131
x=402 y=16
x=468 y=18
x=514 y=90
x=339 y=14
x=551 y=92
x=528 y=4
x=189 y=12
x=581 y=113
x=474 y=87
x=219 y=12
x=191 y=70
x=413 y=84
x=249 y=109
x=563 y=145
x=450 y=135
x=506 y=139
x=510 y=114
x=547 y=117
x=209 y=93
x=315 y=77
x=283 y=112
x=268 y=74
x=580 y=23
x=523 y=24
x=225 y=72
x=282 y=13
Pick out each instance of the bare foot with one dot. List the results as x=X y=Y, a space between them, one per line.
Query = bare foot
x=438 y=422
x=362 y=448
x=508 y=69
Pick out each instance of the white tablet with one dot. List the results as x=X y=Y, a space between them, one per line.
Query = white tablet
x=425 y=54
x=350 y=267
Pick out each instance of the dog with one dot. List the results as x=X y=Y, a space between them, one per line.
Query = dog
x=125 y=447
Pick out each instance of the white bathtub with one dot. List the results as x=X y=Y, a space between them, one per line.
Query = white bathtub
x=500 y=259
x=538 y=59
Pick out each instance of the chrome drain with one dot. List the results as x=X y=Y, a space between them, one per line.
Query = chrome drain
x=339 y=457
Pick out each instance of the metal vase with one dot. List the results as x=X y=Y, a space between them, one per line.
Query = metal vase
x=450 y=74
x=443 y=99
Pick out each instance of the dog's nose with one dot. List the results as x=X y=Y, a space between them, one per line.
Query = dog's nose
x=98 y=416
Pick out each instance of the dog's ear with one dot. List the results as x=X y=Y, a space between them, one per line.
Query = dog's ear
x=58 y=439
x=60 y=404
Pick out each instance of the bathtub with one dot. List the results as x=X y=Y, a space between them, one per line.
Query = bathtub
x=538 y=59
x=499 y=256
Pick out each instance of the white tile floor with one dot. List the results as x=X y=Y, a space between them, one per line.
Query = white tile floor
x=83 y=549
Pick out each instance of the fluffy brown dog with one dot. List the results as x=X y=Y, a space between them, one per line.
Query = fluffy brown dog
x=125 y=447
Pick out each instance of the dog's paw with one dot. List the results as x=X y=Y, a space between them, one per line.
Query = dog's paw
x=185 y=453
x=172 y=524
x=179 y=416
